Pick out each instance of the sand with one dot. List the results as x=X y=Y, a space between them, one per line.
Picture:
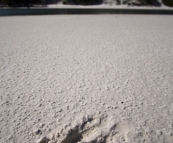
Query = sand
x=109 y=6
x=86 y=79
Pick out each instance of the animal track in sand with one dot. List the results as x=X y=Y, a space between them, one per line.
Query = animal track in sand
x=87 y=129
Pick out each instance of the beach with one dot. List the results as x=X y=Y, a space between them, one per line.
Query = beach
x=86 y=79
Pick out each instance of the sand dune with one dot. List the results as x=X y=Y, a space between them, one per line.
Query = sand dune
x=86 y=79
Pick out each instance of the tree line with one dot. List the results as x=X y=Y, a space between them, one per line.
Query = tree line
x=18 y=3
x=30 y=3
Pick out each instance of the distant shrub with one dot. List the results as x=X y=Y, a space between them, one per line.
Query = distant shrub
x=168 y=2
x=83 y=2
x=16 y=3
x=142 y=2
x=4 y=2
x=153 y=2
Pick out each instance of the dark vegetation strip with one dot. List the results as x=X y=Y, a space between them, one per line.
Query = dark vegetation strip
x=31 y=3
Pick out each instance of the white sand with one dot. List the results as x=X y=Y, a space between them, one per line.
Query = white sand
x=87 y=79
x=108 y=6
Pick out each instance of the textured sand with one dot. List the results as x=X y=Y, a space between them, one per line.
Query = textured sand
x=87 y=79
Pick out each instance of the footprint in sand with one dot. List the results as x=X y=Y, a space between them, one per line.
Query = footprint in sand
x=87 y=129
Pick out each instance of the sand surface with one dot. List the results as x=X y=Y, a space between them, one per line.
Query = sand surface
x=107 y=6
x=86 y=79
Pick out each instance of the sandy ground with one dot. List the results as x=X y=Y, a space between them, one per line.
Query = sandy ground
x=86 y=79
x=110 y=4
x=107 y=6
